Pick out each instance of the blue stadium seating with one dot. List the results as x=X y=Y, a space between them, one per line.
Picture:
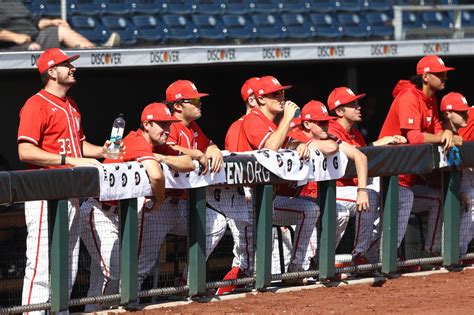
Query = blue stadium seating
x=123 y=26
x=180 y=28
x=115 y=7
x=378 y=5
x=268 y=26
x=322 y=5
x=295 y=6
x=297 y=26
x=208 y=7
x=266 y=6
x=146 y=7
x=149 y=28
x=89 y=27
x=238 y=27
x=411 y=20
x=353 y=25
x=209 y=27
x=47 y=8
x=349 y=5
x=177 y=7
x=326 y=25
x=236 y=6
x=436 y=20
x=467 y=18
x=84 y=7
x=380 y=24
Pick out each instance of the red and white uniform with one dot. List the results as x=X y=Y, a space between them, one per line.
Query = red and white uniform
x=255 y=130
x=54 y=125
x=411 y=114
x=232 y=136
x=346 y=195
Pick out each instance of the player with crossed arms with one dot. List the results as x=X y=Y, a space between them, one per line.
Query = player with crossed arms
x=101 y=220
x=50 y=136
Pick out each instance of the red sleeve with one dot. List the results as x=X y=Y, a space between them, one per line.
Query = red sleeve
x=202 y=141
x=165 y=150
x=409 y=113
x=414 y=136
x=31 y=126
x=232 y=136
x=255 y=131
x=137 y=149
x=298 y=135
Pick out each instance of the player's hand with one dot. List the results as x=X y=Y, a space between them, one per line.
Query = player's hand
x=204 y=162
x=217 y=160
x=457 y=140
x=34 y=46
x=303 y=151
x=107 y=144
x=290 y=109
x=21 y=39
x=447 y=138
x=362 y=200
x=81 y=161
x=59 y=22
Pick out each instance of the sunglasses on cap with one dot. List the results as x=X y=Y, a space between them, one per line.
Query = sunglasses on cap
x=192 y=101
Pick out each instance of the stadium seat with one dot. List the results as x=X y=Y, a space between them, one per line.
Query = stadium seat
x=236 y=6
x=89 y=27
x=209 y=27
x=238 y=27
x=149 y=28
x=380 y=24
x=468 y=23
x=146 y=7
x=84 y=7
x=123 y=26
x=180 y=28
x=411 y=20
x=297 y=26
x=349 y=5
x=377 y=5
x=321 y=5
x=295 y=6
x=354 y=25
x=115 y=7
x=208 y=7
x=47 y=8
x=326 y=25
x=268 y=27
x=266 y=6
x=436 y=20
x=177 y=7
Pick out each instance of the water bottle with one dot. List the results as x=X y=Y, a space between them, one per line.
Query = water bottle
x=297 y=113
x=116 y=137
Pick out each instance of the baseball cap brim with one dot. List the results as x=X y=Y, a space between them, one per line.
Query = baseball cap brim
x=278 y=88
x=199 y=95
x=167 y=119
x=444 y=70
x=327 y=118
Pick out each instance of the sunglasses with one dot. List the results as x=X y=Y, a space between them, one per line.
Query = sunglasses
x=277 y=94
x=193 y=101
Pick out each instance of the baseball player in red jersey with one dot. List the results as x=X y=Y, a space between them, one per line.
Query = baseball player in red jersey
x=414 y=114
x=187 y=138
x=101 y=220
x=454 y=115
x=267 y=126
x=351 y=193
x=50 y=135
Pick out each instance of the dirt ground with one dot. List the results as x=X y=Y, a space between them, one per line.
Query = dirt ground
x=448 y=293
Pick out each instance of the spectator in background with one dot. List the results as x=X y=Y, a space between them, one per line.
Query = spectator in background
x=20 y=30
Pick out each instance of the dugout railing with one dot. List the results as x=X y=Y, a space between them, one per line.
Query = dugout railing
x=387 y=162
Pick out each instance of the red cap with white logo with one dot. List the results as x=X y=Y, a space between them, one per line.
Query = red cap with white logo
x=454 y=101
x=341 y=96
x=316 y=111
x=269 y=84
x=158 y=112
x=51 y=57
x=431 y=63
x=249 y=88
x=182 y=89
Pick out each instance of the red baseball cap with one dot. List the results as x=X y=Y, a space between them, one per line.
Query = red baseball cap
x=454 y=101
x=342 y=95
x=182 y=89
x=248 y=88
x=315 y=110
x=51 y=57
x=431 y=63
x=295 y=122
x=158 y=112
x=269 y=84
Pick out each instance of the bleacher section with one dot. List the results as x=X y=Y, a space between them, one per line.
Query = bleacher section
x=176 y=22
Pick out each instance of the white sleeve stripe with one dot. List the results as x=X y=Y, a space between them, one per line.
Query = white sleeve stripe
x=83 y=138
x=27 y=139
x=143 y=158
x=262 y=143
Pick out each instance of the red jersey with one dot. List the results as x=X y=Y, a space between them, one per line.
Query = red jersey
x=137 y=148
x=53 y=124
x=354 y=138
x=232 y=136
x=190 y=137
x=467 y=133
x=411 y=110
x=255 y=130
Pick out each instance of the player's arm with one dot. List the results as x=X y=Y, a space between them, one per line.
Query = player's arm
x=157 y=181
x=194 y=154
x=32 y=154
x=99 y=152
x=301 y=148
x=397 y=139
x=180 y=163
x=361 y=165
x=445 y=137
x=276 y=139
x=13 y=37
x=214 y=154
x=326 y=147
